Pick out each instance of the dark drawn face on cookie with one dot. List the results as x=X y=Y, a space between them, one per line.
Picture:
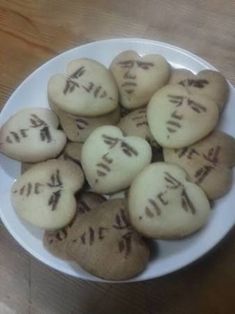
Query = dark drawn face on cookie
x=27 y=127
x=117 y=228
x=206 y=82
x=44 y=195
x=86 y=89
x=110 y=159
x=209 y=160
x=164 y=204
x=131 y=69
x=135 y=124
x=51 y=190
x=177 y=118
x=138 y=77
x=172 y=186
x=184 y=107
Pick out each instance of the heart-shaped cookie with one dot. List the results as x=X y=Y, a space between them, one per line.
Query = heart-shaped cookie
x=111 y=161
x=44 y=195
x=78 y=128
x=105 y=244
x=87 y=89
x=177 y=118
x=55 y=241
x=31 y=135
x=138 y=78
x=163 y=204
x=135 y=124
x=207 y=83
x=207 y=162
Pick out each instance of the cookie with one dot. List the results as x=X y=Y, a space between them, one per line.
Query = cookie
x=111 y=160
x=55 y=241
x=177 y=118
x=135 y=124
x=106 y=245
x=44 y=195
x=138 y=78
x=163 y=204
x=73 y=152
x=207 y=83
x=77 y=129
x=86 y=89
x=207 y=162
x=31 y=135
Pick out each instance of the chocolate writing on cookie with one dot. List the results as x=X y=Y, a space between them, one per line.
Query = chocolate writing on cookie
x=156 y=205
x=104 y=166
x=35 y=123
x=29 y=188
x=74 y=82
x=92 y=235
x=122 y=224
x=184 y=100
x=45 y=134
x=198 y=83
x=121 y=221
x=129 y=77
x=187 y=152
x=35 y=188
x=140 y=118
x=126 y=148
x=176 y=117
x=55 y=182
x=125 y=243
x=210 y=161
x=81 y=123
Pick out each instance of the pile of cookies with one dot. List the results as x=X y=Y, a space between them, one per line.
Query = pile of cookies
x=125 y=155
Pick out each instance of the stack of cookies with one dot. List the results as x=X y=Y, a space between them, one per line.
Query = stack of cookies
x=126 y=155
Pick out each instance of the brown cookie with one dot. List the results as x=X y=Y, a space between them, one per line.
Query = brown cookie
x=207 y=83
x=105 y=244
x=207 y=162
x=55 y=241
x=135 y=124
x=78 y=128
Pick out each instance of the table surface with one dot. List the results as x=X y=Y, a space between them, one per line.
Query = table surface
x=32 y=32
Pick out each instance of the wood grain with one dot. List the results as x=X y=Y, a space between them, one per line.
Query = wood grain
x=31 y=32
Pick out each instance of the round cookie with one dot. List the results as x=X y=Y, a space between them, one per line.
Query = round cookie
x=135 y=124
x=105 y=244
x=163 y=204
x=111 y=160
x=138 y=78
x=177 y=118
x=207 y=83
x=44 y=195
x=31 y=135
x=78 y=128
x=207 y=162
x=86 y=89
x=55 y=241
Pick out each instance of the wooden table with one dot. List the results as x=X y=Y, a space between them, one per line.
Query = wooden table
x=33 y=31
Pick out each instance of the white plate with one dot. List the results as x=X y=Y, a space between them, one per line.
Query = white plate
x=172 y=255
